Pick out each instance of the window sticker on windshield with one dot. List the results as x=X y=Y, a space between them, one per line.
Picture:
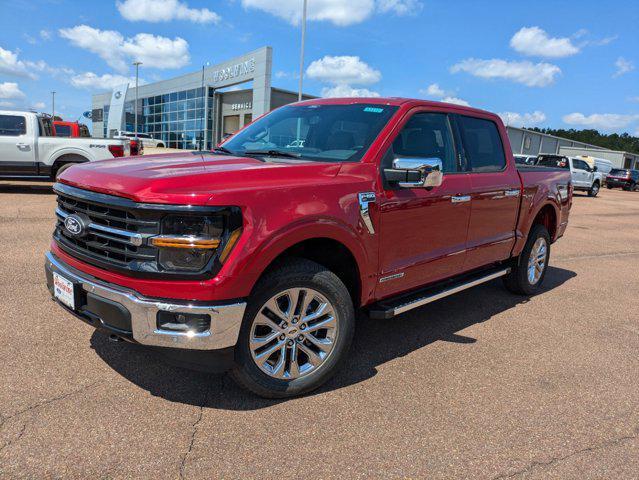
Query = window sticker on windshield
x=373 y=110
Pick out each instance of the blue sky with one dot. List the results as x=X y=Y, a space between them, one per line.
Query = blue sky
x=545 y=63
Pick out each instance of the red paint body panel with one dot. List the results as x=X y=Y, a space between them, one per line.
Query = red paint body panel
x=419 y=232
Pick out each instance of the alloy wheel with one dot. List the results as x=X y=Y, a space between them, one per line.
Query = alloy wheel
x=293 y=333
x=537 y=260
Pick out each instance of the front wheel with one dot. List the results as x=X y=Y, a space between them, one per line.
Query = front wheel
x=529 y=270
x=296 y=331
x=594 y=190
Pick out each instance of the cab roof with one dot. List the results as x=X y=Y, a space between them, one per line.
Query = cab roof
x=395 y=101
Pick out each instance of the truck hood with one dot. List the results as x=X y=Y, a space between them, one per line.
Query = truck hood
x=193 y=177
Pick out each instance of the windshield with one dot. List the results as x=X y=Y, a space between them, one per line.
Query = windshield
x=334 y=133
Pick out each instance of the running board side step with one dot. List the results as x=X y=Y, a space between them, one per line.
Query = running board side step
x=391 y=307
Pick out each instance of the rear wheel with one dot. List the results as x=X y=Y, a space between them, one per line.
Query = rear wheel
x=529 y=271
x=609 y=187
x=296 y=331
x=594 y=190
x=633 y=187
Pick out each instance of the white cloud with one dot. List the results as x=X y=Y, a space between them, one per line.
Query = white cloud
x=347 y=91
x=10 y=91
x=535 y=42
x=4 y=103
x=45 y=35
x=118 y=52
x=11 y=65
x=38 y=106
x=634 y=99
x=623 y=66
x=436 y=92
x=456 y=101
x=604 y=121
x=526 y=73
x=91 y=81
x=164 y=11
x=339 y=12
x=399 y=7
x=515 y=119
x=343 y=70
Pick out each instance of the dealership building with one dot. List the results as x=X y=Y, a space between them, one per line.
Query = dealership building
x=196 y=108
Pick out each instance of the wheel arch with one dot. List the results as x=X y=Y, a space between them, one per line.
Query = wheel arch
x=64 y=159
x=329 y=245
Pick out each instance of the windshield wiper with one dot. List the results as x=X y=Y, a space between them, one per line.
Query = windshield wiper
x=272 y=153
x=223 y=150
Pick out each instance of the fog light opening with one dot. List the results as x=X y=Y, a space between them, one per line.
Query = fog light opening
x=187 y=323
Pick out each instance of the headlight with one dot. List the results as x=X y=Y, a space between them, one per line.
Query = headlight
x=188 y=242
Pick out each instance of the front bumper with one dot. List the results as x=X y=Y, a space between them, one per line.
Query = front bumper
x=126 y=313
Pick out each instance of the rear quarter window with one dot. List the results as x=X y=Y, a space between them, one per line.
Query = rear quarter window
x=482 y=144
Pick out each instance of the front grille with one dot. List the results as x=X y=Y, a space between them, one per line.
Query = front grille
x=116 y=235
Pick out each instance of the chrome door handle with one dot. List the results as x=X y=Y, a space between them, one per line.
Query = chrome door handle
x=512 y=193
x=460 y=198
x=22 y=145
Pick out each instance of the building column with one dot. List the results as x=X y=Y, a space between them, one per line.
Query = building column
x=262 y=85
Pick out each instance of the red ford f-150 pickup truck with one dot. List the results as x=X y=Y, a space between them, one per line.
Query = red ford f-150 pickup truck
x=254 y=257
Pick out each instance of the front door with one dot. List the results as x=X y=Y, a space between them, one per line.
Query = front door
x=581 y=173
x=17 y=156
x=495 y=189
x=423 y=231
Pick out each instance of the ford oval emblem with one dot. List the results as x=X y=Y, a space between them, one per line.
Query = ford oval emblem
x=74 y=225
x=118 y=94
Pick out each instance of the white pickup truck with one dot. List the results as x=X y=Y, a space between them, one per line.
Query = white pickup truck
x=584 y=177
x=29 y=151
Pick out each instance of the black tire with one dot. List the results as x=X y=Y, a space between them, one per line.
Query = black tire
x=517 y=280
x=609 y=187
x=594 y=190
x=633 y=187
x=295 y=273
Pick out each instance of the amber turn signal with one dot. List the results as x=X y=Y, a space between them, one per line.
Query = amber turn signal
x=198 y=243
x=233 y=237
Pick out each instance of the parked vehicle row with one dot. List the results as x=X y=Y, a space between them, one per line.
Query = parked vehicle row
x=255 y=257
x=584 y=177
x=33 y=147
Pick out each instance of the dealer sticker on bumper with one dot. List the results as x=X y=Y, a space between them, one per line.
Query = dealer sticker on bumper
x=63 y=290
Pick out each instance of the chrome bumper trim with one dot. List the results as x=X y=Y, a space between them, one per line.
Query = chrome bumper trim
x=226 y=320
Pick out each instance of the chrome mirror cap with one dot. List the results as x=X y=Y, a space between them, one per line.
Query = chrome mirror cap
x=429 y=171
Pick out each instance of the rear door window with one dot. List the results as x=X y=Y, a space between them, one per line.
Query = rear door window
x=12 y=125
x=482 y=144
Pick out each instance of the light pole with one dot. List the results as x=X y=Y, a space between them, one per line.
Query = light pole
x=52 y=106
x=203 y=116
x=137 y=66
x=299 y=94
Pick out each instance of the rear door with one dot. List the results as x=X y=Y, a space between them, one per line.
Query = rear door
x=423 y=231
x=495 y=189
x=17 y=153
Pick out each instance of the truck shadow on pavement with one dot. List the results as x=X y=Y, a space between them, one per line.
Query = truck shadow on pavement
x=27 y=189
x=376 y=342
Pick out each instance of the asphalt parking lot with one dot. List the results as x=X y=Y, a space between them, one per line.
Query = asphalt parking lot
x=480 y=385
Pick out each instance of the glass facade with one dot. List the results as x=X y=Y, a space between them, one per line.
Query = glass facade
x=176 y=118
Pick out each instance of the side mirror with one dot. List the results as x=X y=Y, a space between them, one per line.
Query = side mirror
x=595 y=168
x=415 y=172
